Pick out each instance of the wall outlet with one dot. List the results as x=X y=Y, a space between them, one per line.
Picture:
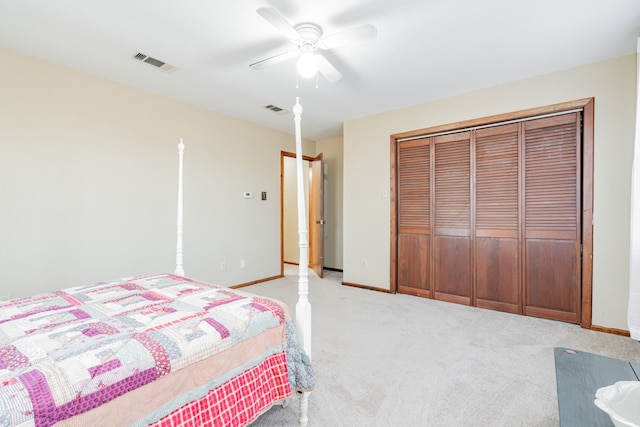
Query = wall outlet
x=364 y=263
x=242 y=263
x=223 y=265
x=247 y=195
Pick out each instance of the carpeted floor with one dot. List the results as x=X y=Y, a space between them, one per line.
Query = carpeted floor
x=397 y=360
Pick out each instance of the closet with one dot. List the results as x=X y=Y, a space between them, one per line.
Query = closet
x=491 y=215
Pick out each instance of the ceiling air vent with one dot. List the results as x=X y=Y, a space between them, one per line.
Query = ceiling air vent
x=153 y=61
x=276 y=109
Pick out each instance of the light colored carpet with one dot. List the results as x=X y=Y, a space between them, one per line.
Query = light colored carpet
x=399 y=360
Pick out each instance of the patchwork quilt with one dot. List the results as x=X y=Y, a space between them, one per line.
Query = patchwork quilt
x=68 y=352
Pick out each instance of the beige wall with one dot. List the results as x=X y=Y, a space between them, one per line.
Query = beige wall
x=366 y=165
x=88 y=173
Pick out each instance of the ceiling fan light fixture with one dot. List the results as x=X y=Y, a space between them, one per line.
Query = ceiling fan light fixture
x=307 y=65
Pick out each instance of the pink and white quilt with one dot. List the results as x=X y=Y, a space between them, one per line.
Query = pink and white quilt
x=66 y=353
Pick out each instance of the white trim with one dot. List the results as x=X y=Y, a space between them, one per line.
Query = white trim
x=179 y=270
x=633 y=316
x=303 y=307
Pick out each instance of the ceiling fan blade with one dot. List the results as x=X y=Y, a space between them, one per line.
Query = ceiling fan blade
x=357 y=34
x=272 y=16
x=327 y=69
x=273 y=60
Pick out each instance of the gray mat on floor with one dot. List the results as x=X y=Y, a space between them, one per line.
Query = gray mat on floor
x=578 y=376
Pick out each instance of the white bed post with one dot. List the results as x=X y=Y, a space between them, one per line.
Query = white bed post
x=179 y=270
x=303 y=307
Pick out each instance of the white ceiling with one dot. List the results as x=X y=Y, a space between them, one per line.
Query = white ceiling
x=424 y=50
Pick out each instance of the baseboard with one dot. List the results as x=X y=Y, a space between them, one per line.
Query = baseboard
x=324 y=268
x=613 y=331
x=266 y=279
x=369 y=288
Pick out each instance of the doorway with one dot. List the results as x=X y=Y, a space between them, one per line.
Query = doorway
x=314 y=204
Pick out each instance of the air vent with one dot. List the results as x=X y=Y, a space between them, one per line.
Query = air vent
x=276 y=109
x=153 y=61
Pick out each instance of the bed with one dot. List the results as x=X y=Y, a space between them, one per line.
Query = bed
x=158 y=349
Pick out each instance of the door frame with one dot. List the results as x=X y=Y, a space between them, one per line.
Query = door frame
x=306 y=158
x=586 y=105
x=316 y=215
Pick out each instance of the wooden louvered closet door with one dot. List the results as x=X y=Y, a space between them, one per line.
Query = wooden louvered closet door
x=452 y=280
x=496 y=228
x=491 y=217
x=414 y=217
x=552 y=217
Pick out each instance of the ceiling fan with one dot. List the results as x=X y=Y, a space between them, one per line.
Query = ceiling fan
x=308 y=40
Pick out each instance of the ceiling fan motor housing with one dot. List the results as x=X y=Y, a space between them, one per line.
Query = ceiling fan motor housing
x=310 y=35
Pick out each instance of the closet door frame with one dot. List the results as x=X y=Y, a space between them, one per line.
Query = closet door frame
x=587 y=107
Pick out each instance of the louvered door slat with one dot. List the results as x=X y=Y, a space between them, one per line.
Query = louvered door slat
x=551 y=177
x=452 y=183
x=414 y=200
x=497 y=179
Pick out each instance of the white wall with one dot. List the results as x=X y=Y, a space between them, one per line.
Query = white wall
x=367 y=175
x=88 y=183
